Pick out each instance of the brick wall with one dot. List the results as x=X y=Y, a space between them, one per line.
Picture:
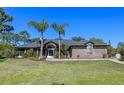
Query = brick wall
x=82 y=53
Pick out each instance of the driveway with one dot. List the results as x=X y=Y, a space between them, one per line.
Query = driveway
x=114 y=60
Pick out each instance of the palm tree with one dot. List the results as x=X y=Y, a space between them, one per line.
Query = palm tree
x=41 y=27
x=60 y=30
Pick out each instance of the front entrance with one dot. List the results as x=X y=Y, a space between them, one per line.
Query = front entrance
x=51 y=52
x=50 y=49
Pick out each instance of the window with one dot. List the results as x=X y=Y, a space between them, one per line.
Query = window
x=89 y=48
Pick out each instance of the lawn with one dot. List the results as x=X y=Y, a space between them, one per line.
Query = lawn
x=24 y=71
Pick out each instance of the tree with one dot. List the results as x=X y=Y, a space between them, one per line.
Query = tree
x=16 y=39
x=110 y=51
x=121 y=48
x=4 y=19
x=34 y=40
x=121 y=45
x=96 y=40
x=60 y=30
x=11 y=38
x=8 y=37
x=24 y=36
x=41 y=27
x=78 y=38
x=109 y=43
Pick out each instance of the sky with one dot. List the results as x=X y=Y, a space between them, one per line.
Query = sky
x=87 y=22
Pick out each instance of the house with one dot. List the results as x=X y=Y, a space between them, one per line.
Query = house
x=76 y=49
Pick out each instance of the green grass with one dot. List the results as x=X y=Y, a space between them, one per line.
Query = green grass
x=23 y=71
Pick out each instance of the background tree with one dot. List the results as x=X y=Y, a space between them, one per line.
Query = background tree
x=109 y=43
x=78 y=38
x=11 y=38
x=121 y=45
x=96 y=40
x=61 y=31
x=4 y=19
x=16 y=39
x=8 y=37
x=110 y=50
x=120 y=48
x=24 y=36
x=34 y=40
x=41 y=27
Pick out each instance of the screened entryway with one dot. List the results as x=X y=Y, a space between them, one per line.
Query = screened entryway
x=50 y=49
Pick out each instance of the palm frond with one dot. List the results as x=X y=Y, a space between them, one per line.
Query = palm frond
x=41 y=27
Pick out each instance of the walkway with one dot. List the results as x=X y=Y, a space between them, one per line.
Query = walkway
x=114 y=60
x=117 y=61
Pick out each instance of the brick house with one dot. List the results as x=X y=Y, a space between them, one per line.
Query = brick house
x=75 y=49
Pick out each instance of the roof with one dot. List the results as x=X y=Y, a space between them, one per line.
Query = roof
x=65 y=42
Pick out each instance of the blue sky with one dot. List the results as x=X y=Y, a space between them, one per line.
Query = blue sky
x=104 y=23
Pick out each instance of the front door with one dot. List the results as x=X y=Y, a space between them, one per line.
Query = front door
x=50 y=53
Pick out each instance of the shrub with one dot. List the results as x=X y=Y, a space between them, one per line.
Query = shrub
x=104 y=55
x=122 y=58
x=57 y=83
x=78 y=56
x=56 y=54
x=2 y=60
x=6 y=50
x=122 y=52
x=29 y=53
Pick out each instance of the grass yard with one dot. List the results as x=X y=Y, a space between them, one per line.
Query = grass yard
x=23 y=71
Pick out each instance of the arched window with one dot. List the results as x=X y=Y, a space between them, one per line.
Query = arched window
x=89 y=48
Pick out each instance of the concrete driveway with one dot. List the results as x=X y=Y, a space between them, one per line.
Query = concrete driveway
x=114 y=60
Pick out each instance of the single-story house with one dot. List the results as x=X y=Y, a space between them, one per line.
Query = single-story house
x=76 y=49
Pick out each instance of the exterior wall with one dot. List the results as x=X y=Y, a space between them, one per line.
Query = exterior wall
x=82 y=53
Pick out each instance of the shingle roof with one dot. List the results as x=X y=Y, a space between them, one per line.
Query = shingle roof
x=66 y=42
x=29 y=45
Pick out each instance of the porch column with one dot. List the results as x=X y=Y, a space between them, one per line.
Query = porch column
x=19 y=53
x=25 y=51
x=48 y=53
x=37 y=52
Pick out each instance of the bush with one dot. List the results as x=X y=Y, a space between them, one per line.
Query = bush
x=78 y=56
x=122 y=52
x=2 y=60
x=6 y=50
x=29 y=53
x=122 y=58
x=56 y=54
x=105 y=56
x=57 y=83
